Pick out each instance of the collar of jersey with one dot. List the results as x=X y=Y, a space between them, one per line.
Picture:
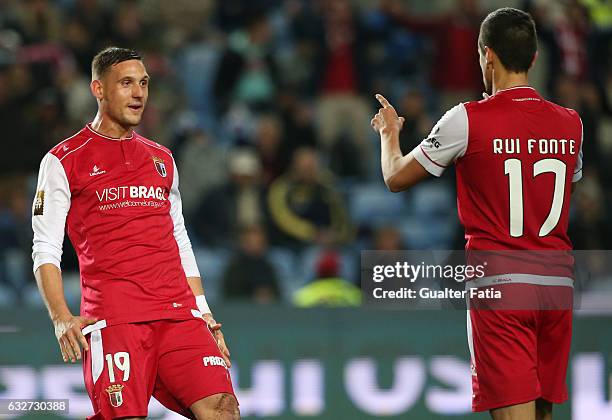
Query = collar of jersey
x=94 y=132
x=515 y=88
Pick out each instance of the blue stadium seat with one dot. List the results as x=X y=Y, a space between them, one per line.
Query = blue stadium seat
x=428 y=233
x=212 y=263
x=8 y=297
x=30 y=294
x=17 y=267
x=372 y=204
x=289 y=275
x=432 y=199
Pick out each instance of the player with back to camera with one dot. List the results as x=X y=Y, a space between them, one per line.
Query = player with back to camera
x=518 y=358
x=145 y=327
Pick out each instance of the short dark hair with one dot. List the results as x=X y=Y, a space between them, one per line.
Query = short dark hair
x=511 y=33
x=109 y=56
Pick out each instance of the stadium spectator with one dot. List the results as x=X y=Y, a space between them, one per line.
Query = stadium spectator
x=563 y=31
x=247 y=71
x=454 y=36
x=298 y=122
x=73 y=87
x=585 y=99
x=250 y=275
x=15 y=96
x=328 y=288
x=238 y=202
x=600 y=39
x=588 y=229
x=417 y=124
x=13 y=217
x=203 y=167
x=39 y=21
x=340 y=76
x=388 y=238
x=269 y=143
x=304 y=205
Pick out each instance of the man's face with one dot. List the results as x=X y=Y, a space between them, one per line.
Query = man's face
x=125 y=89
x=487 y=76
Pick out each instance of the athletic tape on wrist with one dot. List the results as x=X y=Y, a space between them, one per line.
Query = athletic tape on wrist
x=202 y=305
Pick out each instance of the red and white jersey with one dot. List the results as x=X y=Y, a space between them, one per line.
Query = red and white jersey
x=516 y=156
x=120 y=204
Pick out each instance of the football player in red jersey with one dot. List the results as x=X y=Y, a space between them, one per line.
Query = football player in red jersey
x=500 y=146
x=145 y=326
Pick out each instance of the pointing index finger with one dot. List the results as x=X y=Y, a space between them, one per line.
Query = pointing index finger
x=383 y=101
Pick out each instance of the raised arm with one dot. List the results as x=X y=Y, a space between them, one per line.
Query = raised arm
x=445 y=144
x=399 y=172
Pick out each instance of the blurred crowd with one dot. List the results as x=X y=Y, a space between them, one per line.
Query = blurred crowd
x=266 y=105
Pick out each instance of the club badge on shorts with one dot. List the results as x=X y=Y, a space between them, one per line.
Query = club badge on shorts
x=115 y=395
x=159 y=165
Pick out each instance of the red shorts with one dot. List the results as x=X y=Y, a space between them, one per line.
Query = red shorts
x=176 y=361
x=518 y=356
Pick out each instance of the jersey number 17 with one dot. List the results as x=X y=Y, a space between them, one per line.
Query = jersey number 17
x=514 y=170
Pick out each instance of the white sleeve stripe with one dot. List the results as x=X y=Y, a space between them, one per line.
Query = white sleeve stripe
x=71 y=137
x=419 y=156
x=447 y=141
x=156 y=146
x=431 y=160
x=72 y=151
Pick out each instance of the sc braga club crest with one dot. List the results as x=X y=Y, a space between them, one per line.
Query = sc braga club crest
x=115 y=395
x=160 y=166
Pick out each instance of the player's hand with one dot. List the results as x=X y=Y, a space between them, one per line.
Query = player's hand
x=70 y=337
x=215 y=328
x=386 y=120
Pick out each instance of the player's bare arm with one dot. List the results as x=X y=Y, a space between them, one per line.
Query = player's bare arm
x=67 y=326
x=399 y=172
x=195 y=283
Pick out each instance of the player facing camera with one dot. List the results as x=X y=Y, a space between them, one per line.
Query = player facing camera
x=145 y=327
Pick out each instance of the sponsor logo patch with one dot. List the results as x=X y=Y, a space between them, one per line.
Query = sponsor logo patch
x=115 y=395
x=39 y=203
x=96 y=171
x=131 y=191
x=433 y=142
x=214 y=361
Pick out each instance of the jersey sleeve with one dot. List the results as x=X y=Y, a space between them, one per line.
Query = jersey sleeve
x=180 y=233
x=446 y=143
x=578 y=168
x=49 y=212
